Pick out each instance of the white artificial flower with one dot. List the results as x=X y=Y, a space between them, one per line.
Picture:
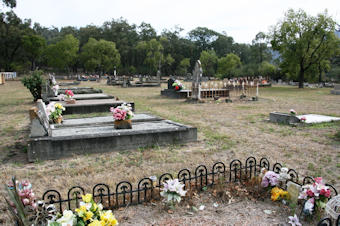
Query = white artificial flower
x=100 y=206
x=67 y=219
x=87 y=205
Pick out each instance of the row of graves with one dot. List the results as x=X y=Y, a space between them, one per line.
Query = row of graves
x=240 y=88
x=53 y=137
x=130 y=81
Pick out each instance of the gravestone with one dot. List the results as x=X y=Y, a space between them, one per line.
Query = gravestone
x=283 y=118
x=42 y=115
x=293 y=190
x=196 y=81
x=170 y=82
x=159 y=77
x=37 y=129
x=336 y=90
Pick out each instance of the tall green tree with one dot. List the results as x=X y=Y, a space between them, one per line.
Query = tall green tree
x=183 y=66
x=304 y=41
x=208 y=60
x=153 y=54
x=100 y=56
x=34 y=46
x=228 y=64
x=63 y=54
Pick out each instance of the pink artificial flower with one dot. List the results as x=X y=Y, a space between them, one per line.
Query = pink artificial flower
x=303 y=119
x=325 y=192
x=310 y=193
x=25 y=202
x=270 y=178
x=318 y=180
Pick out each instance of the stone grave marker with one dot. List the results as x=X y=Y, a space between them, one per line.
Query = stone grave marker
x=196 y=81
x=37 y=129
x=336 y=90
x=293 y=190
x=42 y=115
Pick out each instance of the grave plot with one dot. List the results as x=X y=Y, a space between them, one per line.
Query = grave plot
x=94 y=135
x=292 y=119
x=245 y=88
x=92 y=105
x=129 y=81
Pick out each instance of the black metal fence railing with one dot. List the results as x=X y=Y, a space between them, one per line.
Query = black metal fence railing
x=125 y=194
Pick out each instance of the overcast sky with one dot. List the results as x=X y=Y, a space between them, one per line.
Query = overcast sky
x=241 y=19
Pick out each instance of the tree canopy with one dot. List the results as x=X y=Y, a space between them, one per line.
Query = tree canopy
x=304 y=42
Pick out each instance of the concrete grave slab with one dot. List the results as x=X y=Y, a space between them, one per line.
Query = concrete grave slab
x=69 y=141
x=94 y=121
x=91 y=106
x=313 y=118
x=336 y=90
x=283 y=118
x=90 y=96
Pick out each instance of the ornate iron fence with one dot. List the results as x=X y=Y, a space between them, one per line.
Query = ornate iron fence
x=125 y=194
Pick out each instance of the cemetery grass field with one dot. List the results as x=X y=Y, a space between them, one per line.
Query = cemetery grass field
x=226 y=131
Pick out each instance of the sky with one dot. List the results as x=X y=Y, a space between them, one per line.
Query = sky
x=241 y=19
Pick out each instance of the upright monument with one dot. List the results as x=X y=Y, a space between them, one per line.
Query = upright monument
x=196 y=81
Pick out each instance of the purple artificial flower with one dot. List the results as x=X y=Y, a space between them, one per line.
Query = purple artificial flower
x=270 y=178
x=294 y=221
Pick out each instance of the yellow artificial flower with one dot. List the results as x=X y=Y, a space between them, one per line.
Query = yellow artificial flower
x=87 y=197
x=284 y=195
x=275 y=193
x=95 y=223
x=95 y=206
x=88 y=216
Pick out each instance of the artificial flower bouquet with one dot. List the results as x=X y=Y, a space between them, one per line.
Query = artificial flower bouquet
x=292 y=112
x=68 y=97
x=88 y=213
x=55 y=111
x=177 y=85
x=172 y=191
x=274 y=181
x=55 y=89
x=316 y=196
x=122 y=116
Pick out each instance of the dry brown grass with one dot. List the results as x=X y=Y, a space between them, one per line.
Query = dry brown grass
x=225 y=132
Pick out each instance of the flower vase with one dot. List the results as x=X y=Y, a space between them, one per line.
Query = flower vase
x=122 y=124
x=70 y=101
x=58 y=120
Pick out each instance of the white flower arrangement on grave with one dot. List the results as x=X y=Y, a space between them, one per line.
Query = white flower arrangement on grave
x=172 y=191
x=292 y=112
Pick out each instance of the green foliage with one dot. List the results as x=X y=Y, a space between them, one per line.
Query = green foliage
x=101 y=56
x=34 y=45
x=267 y=69
x=208 y=60
x=183 y=66
x=228 y=64
x=304 y=42
x=34 y=83
x=152 y=52
x=63 y=54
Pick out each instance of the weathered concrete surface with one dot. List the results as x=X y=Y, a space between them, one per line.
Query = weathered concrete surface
x=80 y=140
x=95 y=121
x=91 y=96
x=312 y=118
x=336 y=90
x=80 y=90
x=91 y=106
x=283 y=118
x=182 y=94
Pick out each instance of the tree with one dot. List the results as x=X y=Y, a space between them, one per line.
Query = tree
x=183 y=66
x=146 y=32
x=153 y=54
x=267 y=69
x=259 y=48
x=304 y=41
x=101 y=56
x=208 y=60
x=64 y=53
x=227 y=64
x=34 y=45
x=12 y=30
x=10 y=3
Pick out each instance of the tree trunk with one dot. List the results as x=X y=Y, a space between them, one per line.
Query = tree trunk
x=301 y=77
x=320 y=74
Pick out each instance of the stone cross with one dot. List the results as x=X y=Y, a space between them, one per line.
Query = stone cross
x=196 y=81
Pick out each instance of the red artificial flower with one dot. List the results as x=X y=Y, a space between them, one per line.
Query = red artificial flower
x=310 y=193
x=325 y=192
x=176 y=87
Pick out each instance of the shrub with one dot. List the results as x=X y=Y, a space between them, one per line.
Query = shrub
x=34 y=84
